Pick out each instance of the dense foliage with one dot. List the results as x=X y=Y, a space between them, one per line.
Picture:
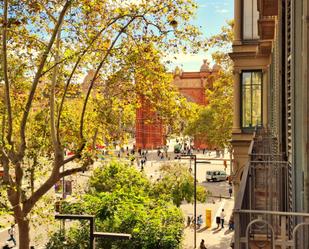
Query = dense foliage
x=121 y=199
x=214 y=122
x=177 y=185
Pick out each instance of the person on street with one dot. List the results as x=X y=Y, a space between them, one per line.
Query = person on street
x=12 y=234
x=199 y=221
x=230 y=191
x=188 y=221
x=218 y=221
x=231 y=223
x=202 y=245
x=222 y=215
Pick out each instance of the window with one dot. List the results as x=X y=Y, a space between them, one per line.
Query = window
x=251 y=99
x=250 y=20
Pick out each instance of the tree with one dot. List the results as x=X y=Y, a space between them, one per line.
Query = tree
x=214 y=122
x=177 y=185
x=121 y=200
x=45 y=48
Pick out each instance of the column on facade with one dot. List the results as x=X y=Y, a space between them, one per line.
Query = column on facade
x=236 y=119
x=237 y=18
x=265 y=98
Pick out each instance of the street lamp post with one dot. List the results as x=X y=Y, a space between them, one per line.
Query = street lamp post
x=202 y=160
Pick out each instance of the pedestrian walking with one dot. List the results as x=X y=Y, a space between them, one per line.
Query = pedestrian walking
x=202 y=245
x=12 y=234
x=188 y=221
x=199 y=221
x=218 y=221
x=158 y=153
x=192 y=222
x=224 y=165
x=230 y=191
x=222 y=215
x=231 y=223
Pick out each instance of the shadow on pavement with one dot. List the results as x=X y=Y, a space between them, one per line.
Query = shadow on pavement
x=216 y=231
x=202 y=230
x=228 y=231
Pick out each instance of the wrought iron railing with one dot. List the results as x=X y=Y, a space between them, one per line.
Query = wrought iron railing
x=263 y=208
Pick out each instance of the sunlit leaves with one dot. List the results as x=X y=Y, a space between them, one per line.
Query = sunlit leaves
x=121 y=199
x=214 y=122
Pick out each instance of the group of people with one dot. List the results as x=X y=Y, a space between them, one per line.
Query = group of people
x=163 y=154
x=220 y=219
x=191 y=221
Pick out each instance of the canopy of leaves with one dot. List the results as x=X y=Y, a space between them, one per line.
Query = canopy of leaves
x=214 y=122
x=47 y=49
x=177 y=185
x=121 y=200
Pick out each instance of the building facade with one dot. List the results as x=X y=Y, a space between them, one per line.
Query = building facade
x=150 y=132
x=149 y=129
x=270 y=126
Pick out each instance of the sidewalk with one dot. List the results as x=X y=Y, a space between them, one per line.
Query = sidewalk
x=214 y=238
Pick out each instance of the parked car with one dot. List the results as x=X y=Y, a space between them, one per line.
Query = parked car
x=216 y=175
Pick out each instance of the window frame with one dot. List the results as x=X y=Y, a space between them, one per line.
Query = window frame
x=248 y=128
x=252 y=39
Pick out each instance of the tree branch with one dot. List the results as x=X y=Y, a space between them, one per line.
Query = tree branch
x=43 y=189
x=73 y=171
x=53 y=131
x=83 y=52
x=81 y=128
x=36 y=79
x=75 y=67
x=70 y=159
x=5 y=73
x=48 y=13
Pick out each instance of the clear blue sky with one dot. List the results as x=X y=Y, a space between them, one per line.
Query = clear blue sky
x=211 y=15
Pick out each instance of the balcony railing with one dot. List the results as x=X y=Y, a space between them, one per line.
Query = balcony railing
x=263 y=208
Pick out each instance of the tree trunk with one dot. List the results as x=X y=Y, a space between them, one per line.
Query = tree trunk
x=23 y=233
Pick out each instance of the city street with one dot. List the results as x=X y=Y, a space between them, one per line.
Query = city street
x=214 y=238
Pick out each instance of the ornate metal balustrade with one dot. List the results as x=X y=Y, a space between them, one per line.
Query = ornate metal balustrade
x=263 y=208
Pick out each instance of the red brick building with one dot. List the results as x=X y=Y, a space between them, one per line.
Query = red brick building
x=149 y=129
x=150 y=132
